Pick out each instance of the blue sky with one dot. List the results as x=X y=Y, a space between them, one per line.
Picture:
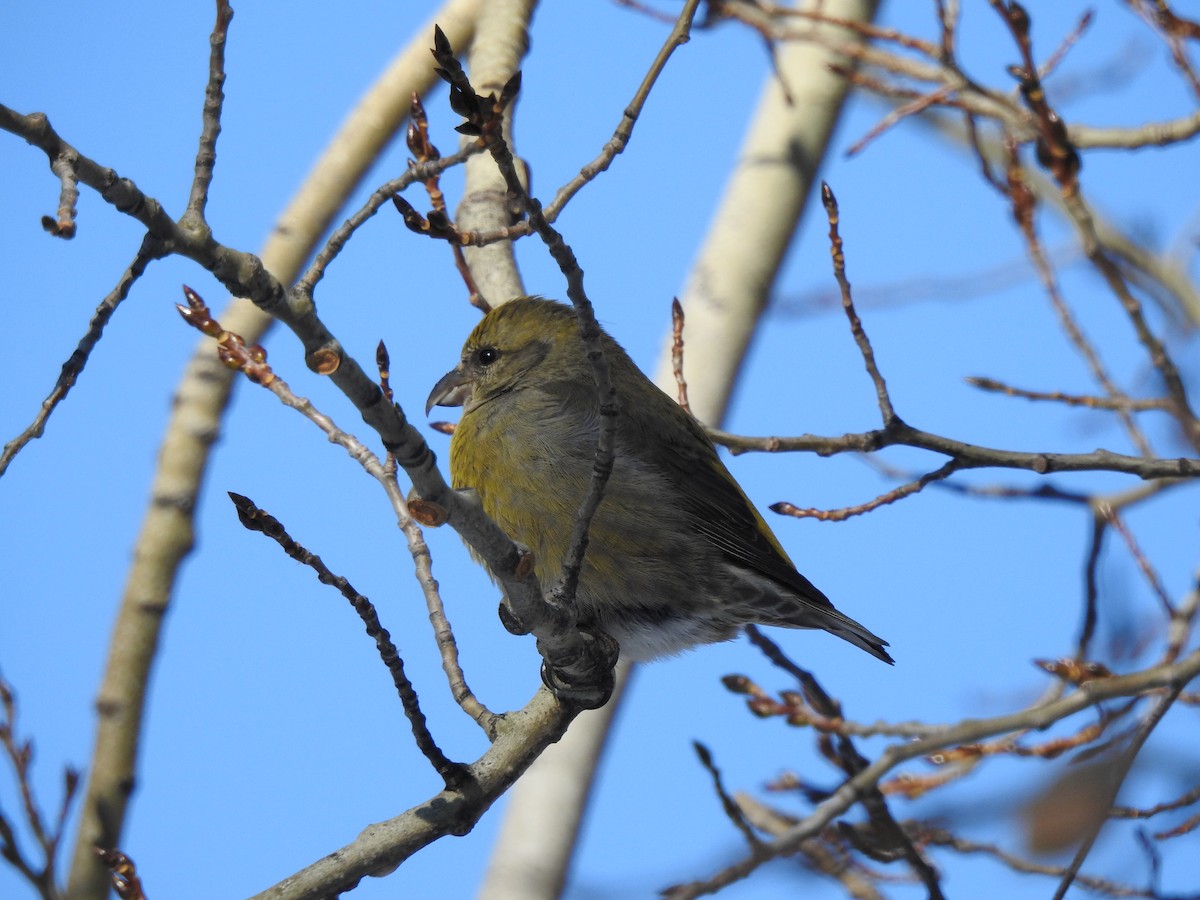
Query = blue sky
x=273 y=734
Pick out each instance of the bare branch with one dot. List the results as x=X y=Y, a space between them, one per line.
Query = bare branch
x=254 y=519
x=214 y=101
x=250 y=360
x=73 y=367
x=881 y=837
x=732 y=811
x=522 y=735
x=969 y=456
x=677 y=352
x=680 y=35
x=1143 y=564
x=856 y=327
x=1170 y=677
x=18 y=754
x=1119 y=402
x=899 y=493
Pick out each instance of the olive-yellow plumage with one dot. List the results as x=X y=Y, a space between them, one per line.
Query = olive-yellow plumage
x=677 y=554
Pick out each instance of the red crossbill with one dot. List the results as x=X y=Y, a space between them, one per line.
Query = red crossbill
x=677 y=554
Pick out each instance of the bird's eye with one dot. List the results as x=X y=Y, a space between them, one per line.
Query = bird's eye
x=487 y=355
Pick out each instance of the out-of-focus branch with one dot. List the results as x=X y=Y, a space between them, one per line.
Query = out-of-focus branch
x=881 y=837
x=47 y=832
x=732 y=811
x=960 y=91
x=941 y=837
x=1023 y=213
x=932 y=80
x=1176 y=31
x=823 y=856
x=1124 y=762
x=1158 y=274
x=1167 y=677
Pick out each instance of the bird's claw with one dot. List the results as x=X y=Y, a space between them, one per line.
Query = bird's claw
x=587 y=683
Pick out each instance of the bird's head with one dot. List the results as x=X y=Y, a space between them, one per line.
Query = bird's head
x=524 y=342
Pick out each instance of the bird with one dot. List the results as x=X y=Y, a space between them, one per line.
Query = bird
x=678 y=556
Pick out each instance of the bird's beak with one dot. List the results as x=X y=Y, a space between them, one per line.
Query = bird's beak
x=452 y=389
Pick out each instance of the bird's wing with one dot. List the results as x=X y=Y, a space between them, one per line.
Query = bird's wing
x=715 y=503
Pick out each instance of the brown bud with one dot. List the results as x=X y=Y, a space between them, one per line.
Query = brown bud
x=792 y=698
x=324 y=361
x=428 y=513
x=524 y=564
x=737 y=684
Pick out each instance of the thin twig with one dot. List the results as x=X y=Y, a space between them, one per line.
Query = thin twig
x=1147 y=569
x=150 y=250
x=1081 y=215
x=18 y=753
x=251 y=360
x=970 y=456
x=1175 y=31
x=425 y=151
x=856 y=327
x=941 y=837
x=1115 y=403
x=214 y=100
x=1046 y=69
x=680 y=35
x=418 y=172
x=253 y=518
x=846 y=512
x=677 y=352
x=407 y=517
x=732 y=811
x=881 y=838
x=761 y=703
x=1168 y=677
x=1023 y=211
x=1130 y=812
x=897 y=114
